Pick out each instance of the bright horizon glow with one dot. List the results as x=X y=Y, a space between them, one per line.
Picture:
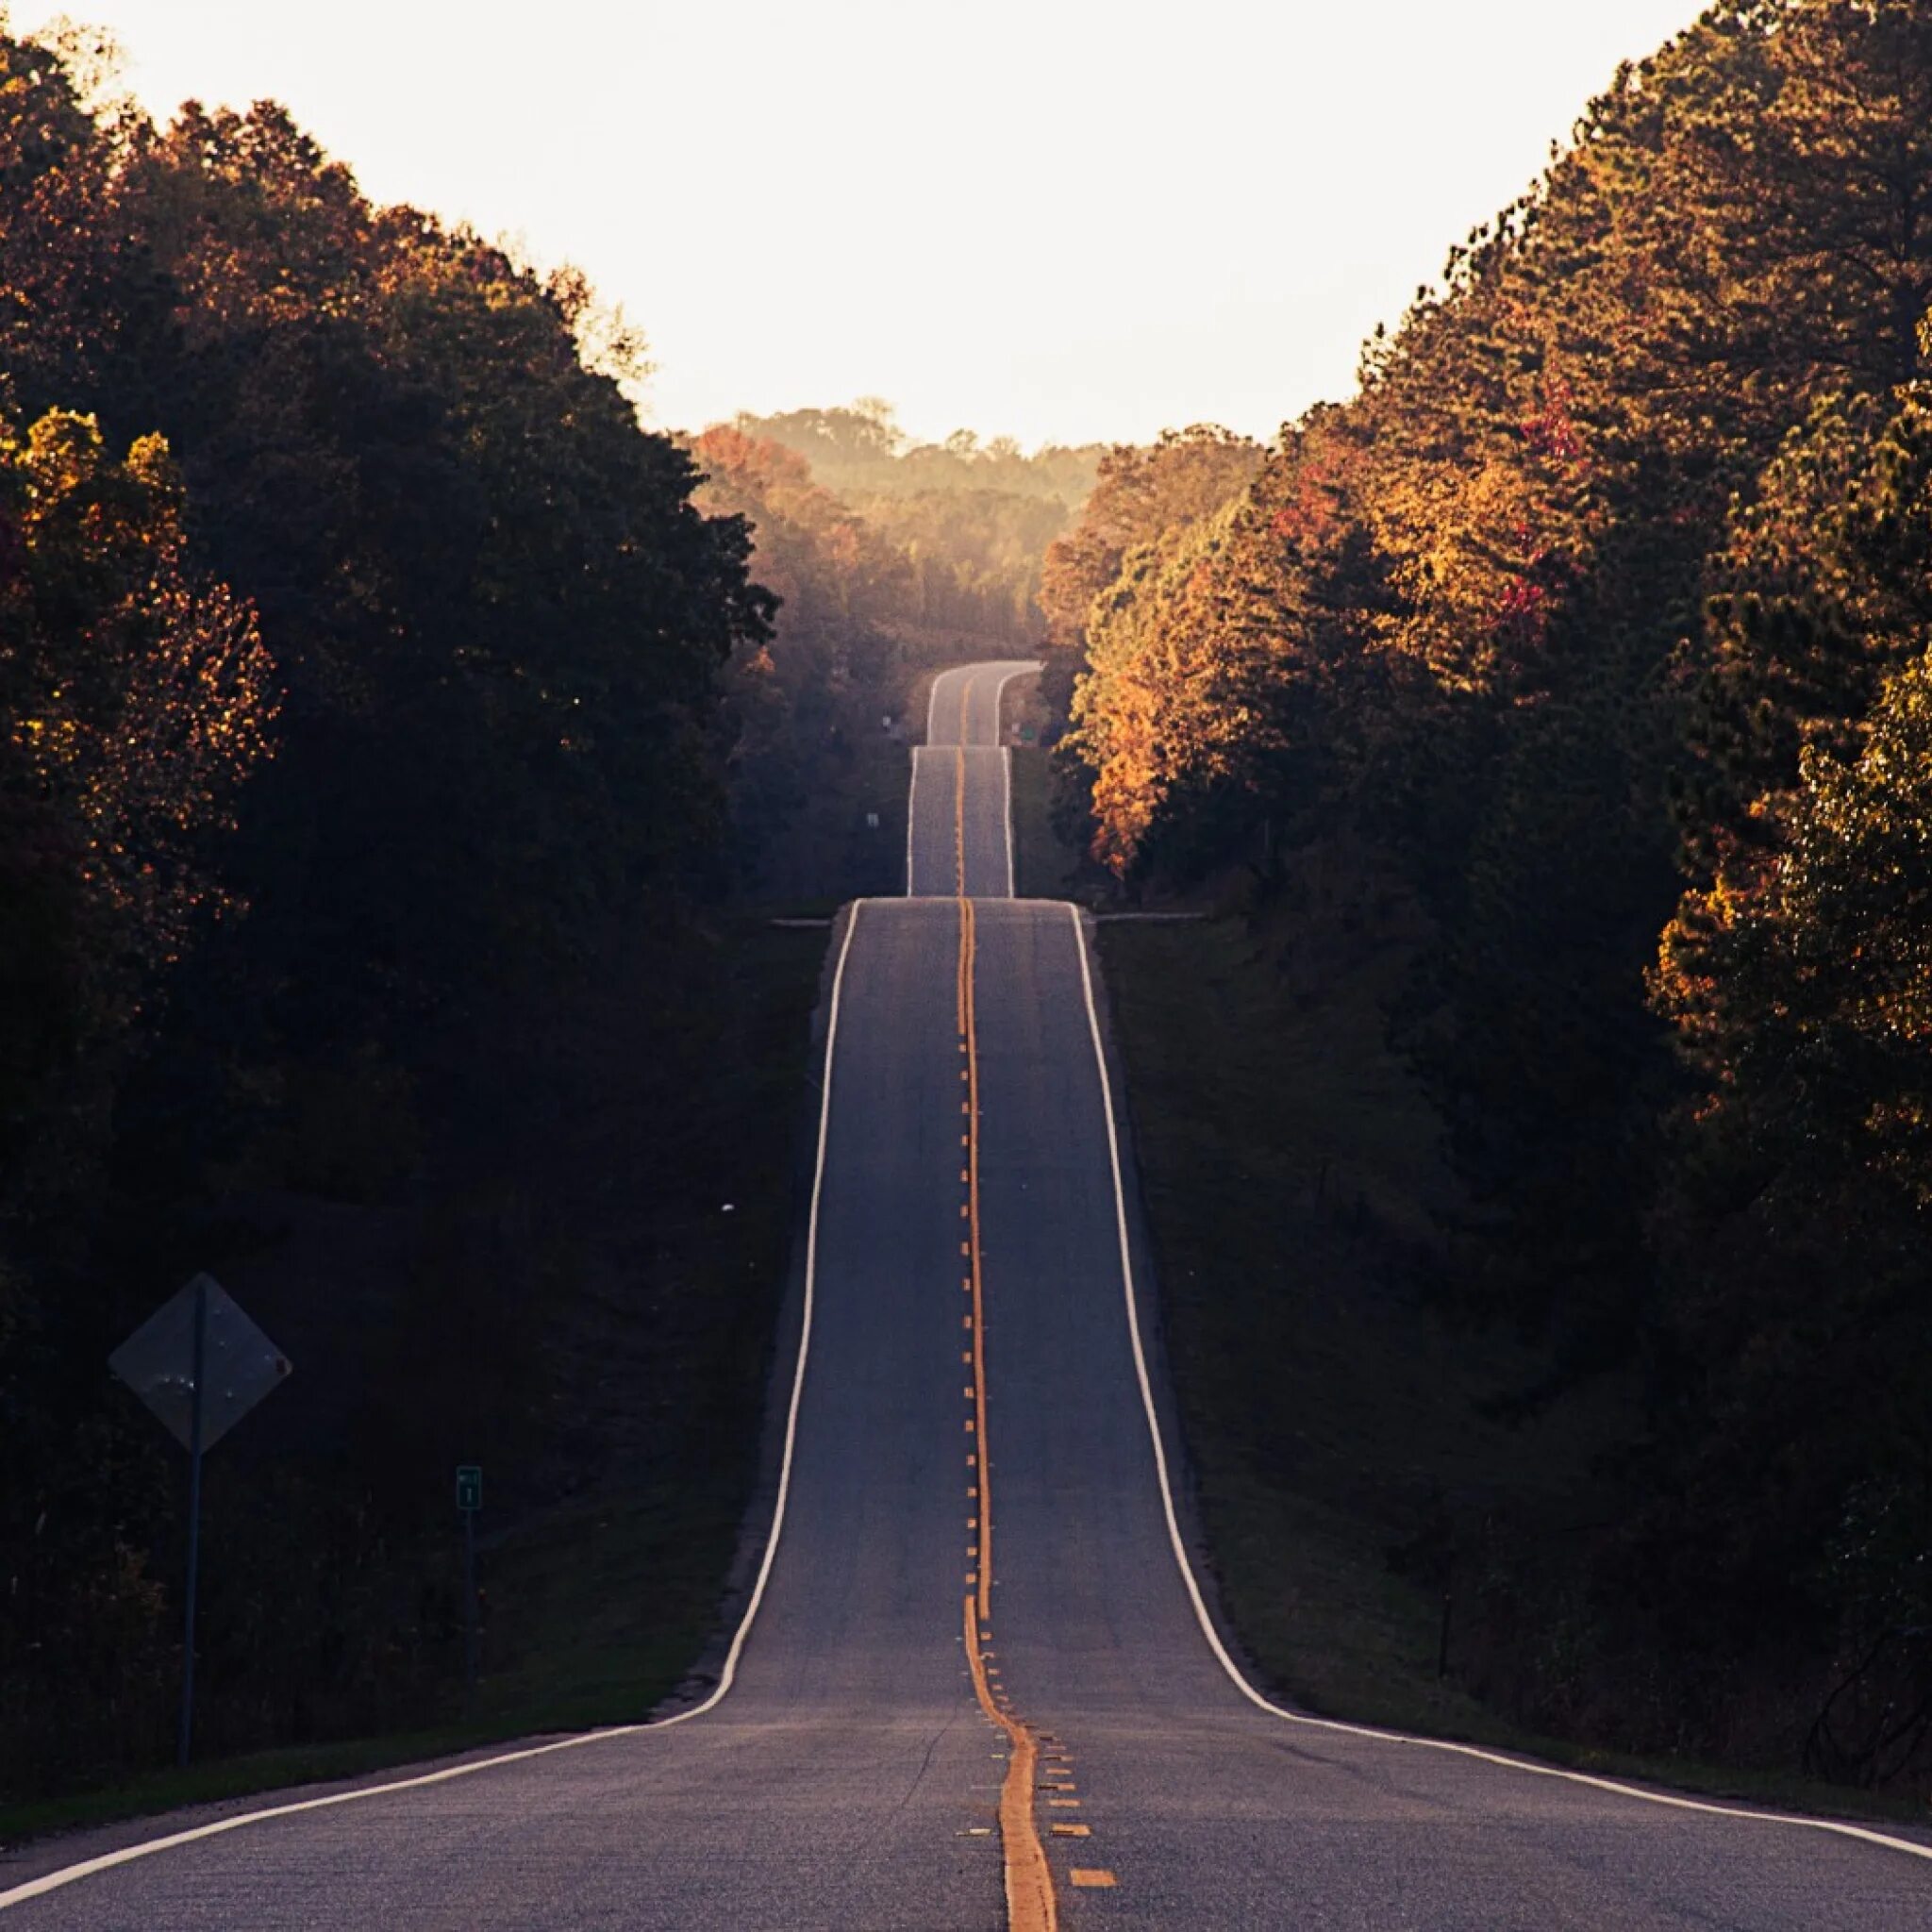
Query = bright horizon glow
x=1060 y=219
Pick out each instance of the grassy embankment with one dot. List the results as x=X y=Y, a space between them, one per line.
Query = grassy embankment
x=603 y=1570
x=604 y=1555
x=603 y=1558
x=1043 y=868
x=1289 y=1169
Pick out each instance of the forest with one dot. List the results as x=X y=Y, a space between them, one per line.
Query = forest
x=972 y=520
x=365 y=790
x=401 y=749
x=402 y=752
x=888 y=557
x=1580 y=661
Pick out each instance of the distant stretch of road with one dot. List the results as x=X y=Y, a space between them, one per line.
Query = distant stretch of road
x=978 y=1687
x=959 y=817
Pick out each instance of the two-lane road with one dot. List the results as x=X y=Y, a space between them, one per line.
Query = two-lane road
x=978 y=1689
x=1208 y=1808
x=959 y=819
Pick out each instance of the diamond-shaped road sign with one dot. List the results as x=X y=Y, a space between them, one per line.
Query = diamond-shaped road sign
x=241 y=1364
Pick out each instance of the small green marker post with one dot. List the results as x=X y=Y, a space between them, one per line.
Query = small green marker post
x=469 y=1500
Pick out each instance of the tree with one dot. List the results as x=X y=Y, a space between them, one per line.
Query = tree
x=1139 y=493
x=379 y=514
x=138 y=696
x=1826 y=585
x=1609 y=575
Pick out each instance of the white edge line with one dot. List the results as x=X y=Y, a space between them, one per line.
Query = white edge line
x=967 y=672
x=932 y=700
x=1319 y=1724
x=912 y=815
x=1006 y=773
x=1026 y=670
x=68 y=1874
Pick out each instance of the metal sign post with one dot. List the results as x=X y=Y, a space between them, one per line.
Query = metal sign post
x=197 y=1410
x=200 y=1364
x=469 y=1500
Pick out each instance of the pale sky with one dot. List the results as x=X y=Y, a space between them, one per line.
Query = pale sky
x=1065 y=220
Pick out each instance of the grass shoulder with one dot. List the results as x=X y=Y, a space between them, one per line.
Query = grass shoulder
x=1289 y=1166
x=604 y=1572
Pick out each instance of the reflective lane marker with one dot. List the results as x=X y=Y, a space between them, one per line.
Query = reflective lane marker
x=1089 y=1876
x=127 y=1855
x=1030 y=1903
x=1529 y=1767
x=968 y=1209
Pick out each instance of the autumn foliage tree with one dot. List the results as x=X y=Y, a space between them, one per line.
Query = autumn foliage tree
x=361 y=718
x=137 y=697
x=971 y=518
x=1593 y=629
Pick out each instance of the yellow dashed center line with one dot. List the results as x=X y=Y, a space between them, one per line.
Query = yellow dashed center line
x=959 y=812
x=1031 y=1904
x=969 y=1209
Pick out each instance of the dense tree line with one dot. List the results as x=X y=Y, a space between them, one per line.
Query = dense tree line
x=888 y=559
x=809 y=704
x=972 y=518
x=1598 y=621
x=363 y=720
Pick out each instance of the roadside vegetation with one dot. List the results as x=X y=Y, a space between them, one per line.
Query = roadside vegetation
x=386 y=803
x=1550 y=718
x=1341 y=1427
x=892 y=559
x=617 y=1433
x=403 y=757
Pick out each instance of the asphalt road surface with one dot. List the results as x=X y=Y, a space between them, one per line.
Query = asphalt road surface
x=960 y=822
x=978 y=1689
